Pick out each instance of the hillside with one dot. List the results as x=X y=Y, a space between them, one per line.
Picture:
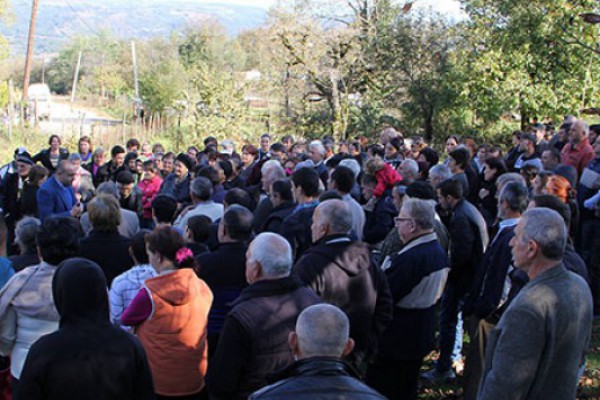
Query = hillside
x=58 y=20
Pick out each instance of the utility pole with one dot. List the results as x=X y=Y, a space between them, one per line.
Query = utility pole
x=135 y=75
x=30 y=48
x=76 y=78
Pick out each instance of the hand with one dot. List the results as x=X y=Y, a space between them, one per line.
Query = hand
x=76 y=210
x=483 y=193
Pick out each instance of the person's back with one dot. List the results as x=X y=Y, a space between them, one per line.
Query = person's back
x=319 y=342
x=60 y=366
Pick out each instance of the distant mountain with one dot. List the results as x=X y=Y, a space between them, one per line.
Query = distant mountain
x=58 y=20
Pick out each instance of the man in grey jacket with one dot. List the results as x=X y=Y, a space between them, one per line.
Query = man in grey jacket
x=539 y=344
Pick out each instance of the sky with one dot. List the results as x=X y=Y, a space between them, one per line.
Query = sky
x=451 y=7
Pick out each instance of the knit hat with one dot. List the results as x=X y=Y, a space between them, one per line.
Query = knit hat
x=185 y=160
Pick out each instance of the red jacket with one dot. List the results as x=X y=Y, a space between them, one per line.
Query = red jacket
x=149 y=191
x=386 y=177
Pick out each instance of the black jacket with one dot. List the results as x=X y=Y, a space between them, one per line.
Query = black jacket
x=224 y=271
x=317 y=378
x=43 y=157
x=88 y=357
x=254 y=340
x=274 y=222
x=380 y=221
x=180 y=191
x=296 y=228
x=490 y=276
x=110 y=250
x=341 y=272
x=468 y=241
x=133 y=202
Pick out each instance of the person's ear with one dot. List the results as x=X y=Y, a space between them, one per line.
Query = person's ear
x=348 y=347
x=293 y=343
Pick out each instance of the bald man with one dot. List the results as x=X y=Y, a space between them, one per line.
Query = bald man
x=319 y=342
x=253 y=341
x=340 y=270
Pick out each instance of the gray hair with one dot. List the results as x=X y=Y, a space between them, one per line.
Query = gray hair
x=323 y=331
x=352 y=164
x=421 y=211
x=509 y=177
x=202 y=188
x=318 y=145
x=584 y=127
x=271 y=165
x=273 y=253
x=410 y=166
x=441 y=171
x=516 y=195
x=26 y=233
x=546 y=228
x=109 y=188
x=337 y=214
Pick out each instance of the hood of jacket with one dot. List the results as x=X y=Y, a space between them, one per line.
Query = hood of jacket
x=80 y=292
x=175 y=287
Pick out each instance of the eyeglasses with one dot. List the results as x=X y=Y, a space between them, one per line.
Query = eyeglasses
x=397 y=220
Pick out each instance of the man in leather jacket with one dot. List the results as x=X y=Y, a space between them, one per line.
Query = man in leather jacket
x=320 y=341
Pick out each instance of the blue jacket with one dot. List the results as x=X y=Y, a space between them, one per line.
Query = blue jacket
x=54 y=198
x=417 y=276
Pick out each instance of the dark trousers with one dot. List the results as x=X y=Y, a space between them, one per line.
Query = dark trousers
x=588 y=244
x=395 y=379
x=451 y=304
x=15 y=388
x=479 y=331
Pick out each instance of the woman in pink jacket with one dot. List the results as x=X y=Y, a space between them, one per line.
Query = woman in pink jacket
x=150 y=185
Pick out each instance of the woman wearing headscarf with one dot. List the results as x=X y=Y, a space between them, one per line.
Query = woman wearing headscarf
x=170 y=314
x=88 y=357
x=27 y=310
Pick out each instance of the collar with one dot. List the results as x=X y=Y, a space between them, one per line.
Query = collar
x=314 y=366
x=269 y=288
x=505 y=223
x=426 y=238
x=303 y=206
x=550 y=273
x=332 y=239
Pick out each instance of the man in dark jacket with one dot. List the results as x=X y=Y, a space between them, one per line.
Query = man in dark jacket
x=223 y=270
x=341 y=272
x=319 y=342
x=282 y=198
x=58 y=365
x=130 y=195
x=110 y=170
x=296 y=227
x=177 y=184
x=468 y=241
x=379 y=212
x=253 y=342
x=490 y=289
x=417 y=276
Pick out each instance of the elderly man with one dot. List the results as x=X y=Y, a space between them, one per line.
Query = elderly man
x=578 y=152
x=253 y=342
x=341 y=271
x=417 y=276
x=201 y=190
x=316 y=152
x=56 y=196
x=319 y=342
x=531 y=353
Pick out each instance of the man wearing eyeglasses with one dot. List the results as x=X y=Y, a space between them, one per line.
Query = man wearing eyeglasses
x=417 y=276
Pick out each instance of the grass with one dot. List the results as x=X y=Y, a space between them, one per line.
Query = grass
x=589 y=385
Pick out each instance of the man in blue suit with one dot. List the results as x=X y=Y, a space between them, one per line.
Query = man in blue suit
x=56 y=196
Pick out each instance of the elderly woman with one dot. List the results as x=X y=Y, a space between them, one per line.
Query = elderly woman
x=27 y=310
x=105 y=245
x=171 y=316
x=94 y=166
x=26 y=239
x=85 y=149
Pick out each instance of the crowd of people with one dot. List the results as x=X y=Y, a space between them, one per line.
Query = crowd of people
x=301 y=269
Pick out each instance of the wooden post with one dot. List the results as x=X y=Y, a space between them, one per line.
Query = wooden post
x=75 y=78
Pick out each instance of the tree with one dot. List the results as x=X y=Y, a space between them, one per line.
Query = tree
x=531 y=58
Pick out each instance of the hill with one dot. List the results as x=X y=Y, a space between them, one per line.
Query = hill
x=59 y=20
